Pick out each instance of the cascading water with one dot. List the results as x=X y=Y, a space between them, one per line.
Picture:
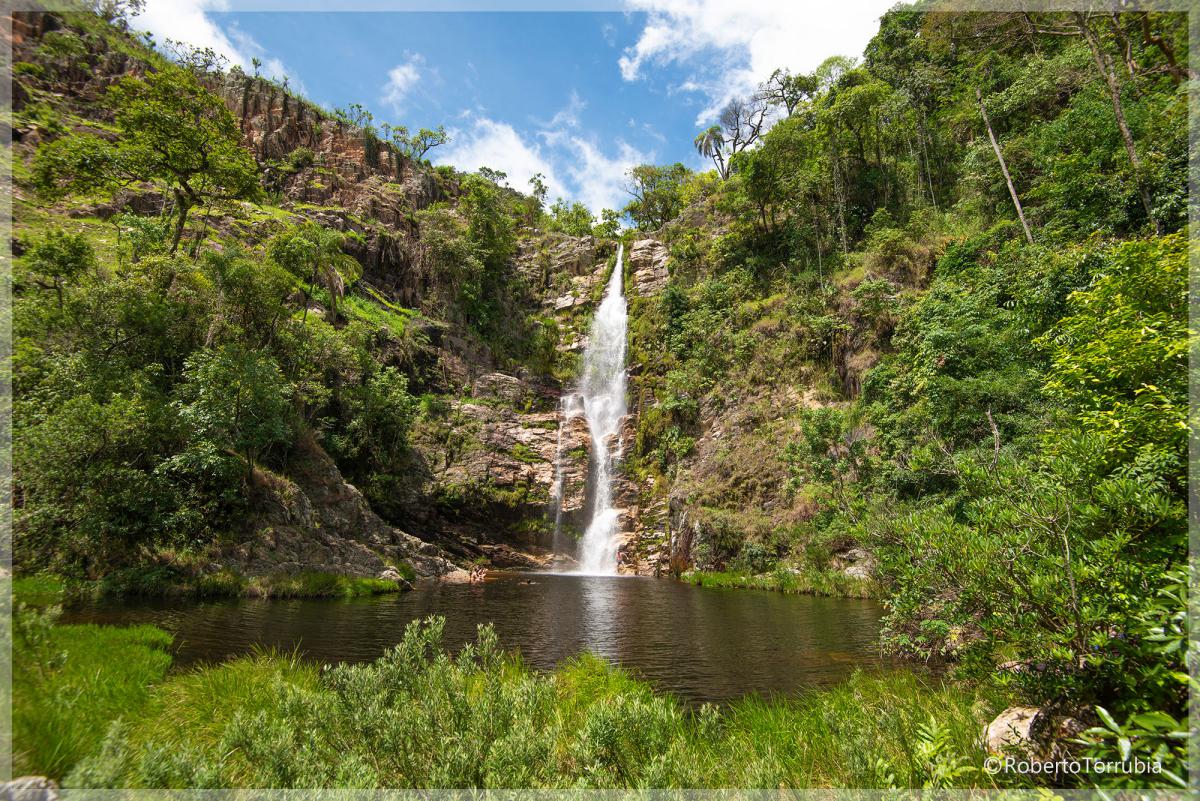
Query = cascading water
x=602 y=392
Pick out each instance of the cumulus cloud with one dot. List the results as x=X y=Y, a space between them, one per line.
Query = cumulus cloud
x=401 y=80
x=733 y=46
x=188 y=21
x=488 y=143
x=599 y=180
x=576 y=167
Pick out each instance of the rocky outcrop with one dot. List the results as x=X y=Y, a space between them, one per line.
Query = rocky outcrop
x=507 y=388
x=648 y=267
x=579 y=291
x=312 y=519
x=855 y=562
x=572 y=469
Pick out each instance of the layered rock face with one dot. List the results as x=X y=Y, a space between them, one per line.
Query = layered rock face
x=644 y=523
x=313 y=520
x=648 y=267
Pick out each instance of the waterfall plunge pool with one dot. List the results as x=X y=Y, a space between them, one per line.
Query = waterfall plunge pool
x=700 y=644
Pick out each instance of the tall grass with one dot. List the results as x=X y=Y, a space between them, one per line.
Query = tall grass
x=830 y=582
x=314 y=584
x=420 y=718
x=71 y=682
x=162 y=581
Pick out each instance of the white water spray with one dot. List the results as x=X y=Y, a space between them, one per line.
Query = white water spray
x=602 y=390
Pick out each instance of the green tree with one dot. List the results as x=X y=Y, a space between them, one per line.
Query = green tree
x=314 y=254
x=609 y=226
x=172 y=129
x=572 y=218
x=57 y=259
x=238 y=399
x=710 y=143
x=1119 y=358
x=655 y=192
x=416 y=145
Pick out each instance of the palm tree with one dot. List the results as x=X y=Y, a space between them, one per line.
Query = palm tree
x=332 y=267
x=710 y=143
x=314 y=253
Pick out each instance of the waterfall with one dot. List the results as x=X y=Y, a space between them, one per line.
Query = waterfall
x=568 y=408
x=602 y=392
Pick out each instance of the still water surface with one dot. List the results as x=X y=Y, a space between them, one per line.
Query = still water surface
x=701 y=644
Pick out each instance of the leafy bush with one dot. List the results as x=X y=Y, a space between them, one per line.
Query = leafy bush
x=419 y=717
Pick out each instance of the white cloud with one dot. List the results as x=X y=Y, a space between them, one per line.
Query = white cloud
x=401 y=80
x=188 y=21
x=735 y=45
x=575 y=166
x=488 y=143
x=599 y=179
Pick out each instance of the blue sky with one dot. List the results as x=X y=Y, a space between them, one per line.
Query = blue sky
x=577 y=96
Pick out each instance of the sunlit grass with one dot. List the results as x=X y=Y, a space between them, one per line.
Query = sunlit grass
x=71 y=682
x=420 y=718
x=829 y=582
x=314 y=584
x=39 y=590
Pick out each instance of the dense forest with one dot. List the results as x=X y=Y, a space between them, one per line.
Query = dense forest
x=922 y=336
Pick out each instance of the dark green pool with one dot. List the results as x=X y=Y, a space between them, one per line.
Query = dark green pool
x=702 y=644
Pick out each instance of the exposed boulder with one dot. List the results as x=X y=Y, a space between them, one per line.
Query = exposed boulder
x=1015 y=730
x=648 y=261
x=1032 y=732
x=393 y=575
x=855 y=562
x=500 y=385
x=312 y=519
x=30 y=788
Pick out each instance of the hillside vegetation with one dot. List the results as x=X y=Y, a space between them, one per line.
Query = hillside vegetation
x=924 y=338
x=863 y=356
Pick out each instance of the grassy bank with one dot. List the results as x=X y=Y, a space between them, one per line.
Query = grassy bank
x=168 y=582
x=805 y=583
x=71 y=682
x=419 y=718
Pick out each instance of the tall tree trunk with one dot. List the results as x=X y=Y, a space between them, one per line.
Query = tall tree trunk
x=1104 y=64
x=1012 y=190
x=839 y=195
x=182 y=204
x=928 y=162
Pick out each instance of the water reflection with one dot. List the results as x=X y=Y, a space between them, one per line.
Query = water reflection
x=704 y=645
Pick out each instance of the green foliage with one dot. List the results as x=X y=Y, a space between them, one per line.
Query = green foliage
x=656 y=194
x=571 y=218
x=71 y=682
x=831 y=450
x=414 y=146
x=59 y=259
x=314 y=254
x=173 y=130
x=236 y=399
x=481 y=719
x=1119 y=356
x=780 y=578
x=609 y=226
